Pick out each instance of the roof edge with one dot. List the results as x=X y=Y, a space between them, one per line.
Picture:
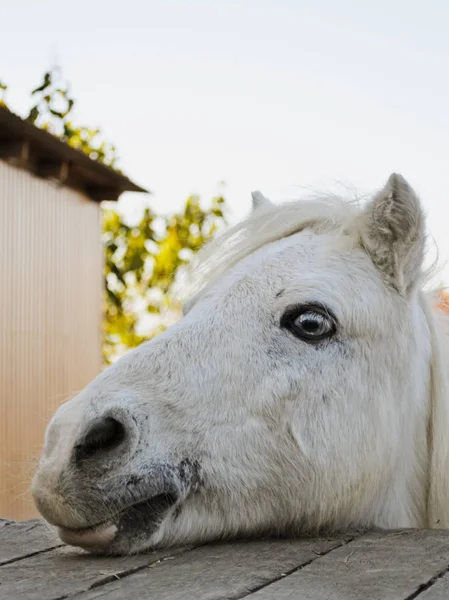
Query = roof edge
x=33 y=149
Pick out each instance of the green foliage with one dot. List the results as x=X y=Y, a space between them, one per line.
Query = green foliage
x=3 y=90
x=141 y=266
x=52 y=111
x=141 y=260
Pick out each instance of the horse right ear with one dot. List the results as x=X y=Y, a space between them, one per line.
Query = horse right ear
x=393 y=233
x=259 y=200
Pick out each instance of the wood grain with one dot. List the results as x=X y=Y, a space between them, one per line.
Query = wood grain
x=390 y=566
x=19 y=540
x=439 y=590
x=217 y=572
x=395 y=565
x=64 y=572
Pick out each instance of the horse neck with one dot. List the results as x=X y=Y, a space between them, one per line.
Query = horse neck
x=438 y=418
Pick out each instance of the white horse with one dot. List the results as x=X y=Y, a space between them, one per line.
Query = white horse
x=305 y=389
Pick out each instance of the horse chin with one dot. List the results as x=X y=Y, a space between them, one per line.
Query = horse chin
x=90 y=538
x=127 y=530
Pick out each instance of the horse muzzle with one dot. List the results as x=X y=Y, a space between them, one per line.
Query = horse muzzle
x=100 y=489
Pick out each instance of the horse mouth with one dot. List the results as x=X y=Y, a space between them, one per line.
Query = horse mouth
x=143 y=517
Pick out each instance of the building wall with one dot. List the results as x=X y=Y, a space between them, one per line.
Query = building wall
x=50 y=317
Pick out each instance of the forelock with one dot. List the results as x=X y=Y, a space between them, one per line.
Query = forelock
x=269 y=224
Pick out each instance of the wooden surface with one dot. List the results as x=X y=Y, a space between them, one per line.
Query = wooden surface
x=395 y=565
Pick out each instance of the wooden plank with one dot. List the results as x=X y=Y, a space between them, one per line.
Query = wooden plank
x=438 y=590
x=66 y=571
x=391 y=566
x=18 y=540
x=217 y=572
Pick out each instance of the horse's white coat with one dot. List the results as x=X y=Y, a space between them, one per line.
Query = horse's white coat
x=290 y=437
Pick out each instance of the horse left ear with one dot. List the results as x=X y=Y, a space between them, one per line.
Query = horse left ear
x=259 y=200
x=393 y=233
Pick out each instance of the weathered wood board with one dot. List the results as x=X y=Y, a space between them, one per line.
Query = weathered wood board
x=395 y=565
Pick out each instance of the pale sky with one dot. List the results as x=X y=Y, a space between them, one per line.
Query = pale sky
x=286 y=96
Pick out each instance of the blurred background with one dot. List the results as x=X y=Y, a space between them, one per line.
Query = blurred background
x=183 y=107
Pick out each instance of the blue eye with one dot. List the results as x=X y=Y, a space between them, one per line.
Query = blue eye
x=309 y=322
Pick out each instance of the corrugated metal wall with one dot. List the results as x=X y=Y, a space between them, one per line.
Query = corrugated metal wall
x=50 y=317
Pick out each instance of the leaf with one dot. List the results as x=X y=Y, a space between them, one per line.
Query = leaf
x=118 y=273
x=113 y=298
x=136 y=262
x=56 y=113
x=112 y=247
x=33 y=115
x=44 y=85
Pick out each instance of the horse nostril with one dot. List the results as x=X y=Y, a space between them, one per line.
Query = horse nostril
x=103 y=436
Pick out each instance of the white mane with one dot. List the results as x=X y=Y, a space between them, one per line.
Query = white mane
x=267 y=224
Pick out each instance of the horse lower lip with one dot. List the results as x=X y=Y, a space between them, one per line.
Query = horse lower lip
x=104 y=533
x=99 y=535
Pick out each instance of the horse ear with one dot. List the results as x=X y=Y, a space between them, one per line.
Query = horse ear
x=393 y=233
x=259 y=200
